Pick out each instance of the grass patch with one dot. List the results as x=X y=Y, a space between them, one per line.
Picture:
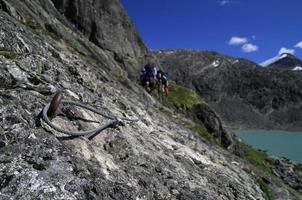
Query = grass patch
x=42 y=29
x=34 y=25
x=260 y=167
x=52 y=35
x=72 y=50
x=46 y=32
x=8 y=54
x=265 y=188
x=203 y=132
x=64 y=28
x=257 y=158
x=166 y=111
x=183 y=97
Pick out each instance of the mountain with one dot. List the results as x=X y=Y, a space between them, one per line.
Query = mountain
x=284 y=61
x=91 y=51
x=244 y=94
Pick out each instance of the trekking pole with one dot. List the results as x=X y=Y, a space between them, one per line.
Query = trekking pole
x=159 y=91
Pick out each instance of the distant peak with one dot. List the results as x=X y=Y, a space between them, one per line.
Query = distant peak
x=286 y=55
x=276 y=59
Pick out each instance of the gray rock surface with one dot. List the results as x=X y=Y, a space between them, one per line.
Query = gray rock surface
x=154 y=158
x=289 y=172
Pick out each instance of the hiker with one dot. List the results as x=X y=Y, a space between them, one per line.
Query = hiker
x=148 y=77
x=163 y=84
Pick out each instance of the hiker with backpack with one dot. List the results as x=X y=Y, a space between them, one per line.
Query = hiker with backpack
x=163 y=84
x=148 y=77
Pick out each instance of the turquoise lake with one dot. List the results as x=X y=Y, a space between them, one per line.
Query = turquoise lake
x=277 y=143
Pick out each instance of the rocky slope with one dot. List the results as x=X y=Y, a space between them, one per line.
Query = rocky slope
x=244 y=94
x=91 y=51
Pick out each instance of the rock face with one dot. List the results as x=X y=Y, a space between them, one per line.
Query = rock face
x=290 y=173
x=106 y=24
x=103 y=23
x=45 y=49
x=213 y=124
x=244 y=94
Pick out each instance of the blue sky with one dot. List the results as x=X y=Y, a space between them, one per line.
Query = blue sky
x=252 y=29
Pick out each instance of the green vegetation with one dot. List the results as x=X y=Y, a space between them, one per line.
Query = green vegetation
x=166 y=111
x=8 y=54
x=265 y=188
x=183 y=97
x=258 y=158
x=261 y=166
x=63 y=27
x=55 y=36
x=72 y=49
x=35 y=25
x=202 y=131
x=51 y=34
x=39 y=27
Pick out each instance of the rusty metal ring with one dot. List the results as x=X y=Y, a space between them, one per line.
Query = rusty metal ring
x=53 y=110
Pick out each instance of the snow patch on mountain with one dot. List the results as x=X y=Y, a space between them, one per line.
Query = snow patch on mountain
x=235 y=62
x=272 y=60
x=216 y=63
x=297 y=68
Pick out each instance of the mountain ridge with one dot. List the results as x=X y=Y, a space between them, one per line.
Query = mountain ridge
x=226 y=82
x=284 y=61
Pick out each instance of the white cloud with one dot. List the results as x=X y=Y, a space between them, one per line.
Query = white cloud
x=235 y=40
x=249 y=48
x=299 y=45
x=224 y=2
x=285 y=50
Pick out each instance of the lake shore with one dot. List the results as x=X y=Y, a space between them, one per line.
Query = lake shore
x=278 y=143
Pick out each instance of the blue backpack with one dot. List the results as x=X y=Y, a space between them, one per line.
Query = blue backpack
x=149 y=70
